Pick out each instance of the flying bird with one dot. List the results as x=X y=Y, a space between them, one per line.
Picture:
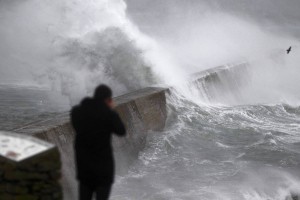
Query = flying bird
x=289 y=50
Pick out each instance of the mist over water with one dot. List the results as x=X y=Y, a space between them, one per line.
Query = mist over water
x=71 y=46
x=235 y=139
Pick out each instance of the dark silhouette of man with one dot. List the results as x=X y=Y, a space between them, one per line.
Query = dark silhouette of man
x=94 y=121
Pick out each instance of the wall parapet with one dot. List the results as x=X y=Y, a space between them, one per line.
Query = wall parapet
x=29 y=168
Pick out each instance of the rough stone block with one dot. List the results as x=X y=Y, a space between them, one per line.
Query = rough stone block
x=30 y=168
x=6 y=196
x=24 y=175
x=12 y=188
x=26 y=197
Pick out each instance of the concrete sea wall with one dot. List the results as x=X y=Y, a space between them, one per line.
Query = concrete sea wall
x=224 y=82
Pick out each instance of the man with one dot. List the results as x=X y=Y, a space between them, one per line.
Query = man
x=94 y=121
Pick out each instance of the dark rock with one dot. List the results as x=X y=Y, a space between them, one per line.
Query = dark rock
x=6 y=196
x=26 y=197
x=12 y=188
x=22 y=175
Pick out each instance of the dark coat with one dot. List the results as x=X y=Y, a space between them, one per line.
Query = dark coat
x=94 y=124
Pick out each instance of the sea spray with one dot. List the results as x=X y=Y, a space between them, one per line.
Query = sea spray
x=238 y=143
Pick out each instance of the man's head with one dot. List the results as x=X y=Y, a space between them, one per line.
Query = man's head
x=104 y=94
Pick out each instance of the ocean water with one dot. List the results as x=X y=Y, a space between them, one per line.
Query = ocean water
x=234 y=138
x=20 y=106
x=218 y=152
x=207 y=151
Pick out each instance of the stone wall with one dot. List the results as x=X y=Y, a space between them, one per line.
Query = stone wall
x=35 y=176
x=222 y=83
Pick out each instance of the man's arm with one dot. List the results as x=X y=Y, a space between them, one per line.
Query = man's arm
x=117 y=125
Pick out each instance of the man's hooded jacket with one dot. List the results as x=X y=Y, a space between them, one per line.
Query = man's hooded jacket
x=94 y=124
